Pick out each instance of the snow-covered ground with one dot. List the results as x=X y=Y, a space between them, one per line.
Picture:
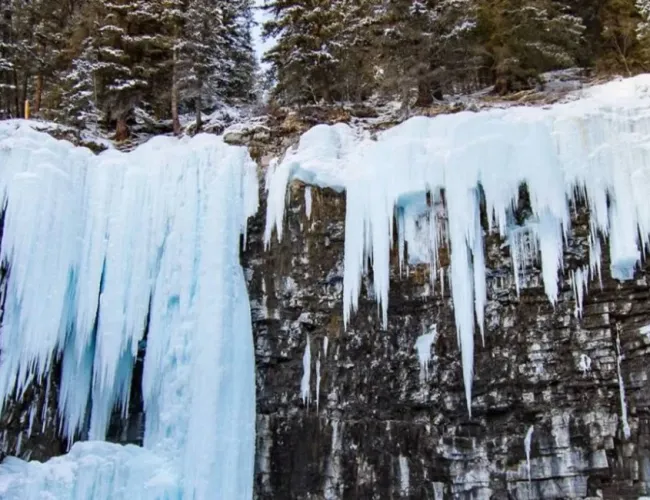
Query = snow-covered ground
x=96 y=244
x=433 y=174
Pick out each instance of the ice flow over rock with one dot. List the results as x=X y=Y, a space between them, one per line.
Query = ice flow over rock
x=424 y=182
x=97 y=248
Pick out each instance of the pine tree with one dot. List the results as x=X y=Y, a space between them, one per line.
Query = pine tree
x=643 y=31
x=304 y=59
x=17 y=48
x=238 y=22
x=522 y=41
x=7 y=54
x=80 y=100
x=49 y=18
x=204 y=56
x=622 y=47
x=426 y=46
x=353 y=33
x=173 y=21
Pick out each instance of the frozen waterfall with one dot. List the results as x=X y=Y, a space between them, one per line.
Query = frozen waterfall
x=97 y=248
x=434 y=175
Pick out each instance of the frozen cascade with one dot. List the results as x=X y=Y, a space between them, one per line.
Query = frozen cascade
x=95 y=245
x=593 y=149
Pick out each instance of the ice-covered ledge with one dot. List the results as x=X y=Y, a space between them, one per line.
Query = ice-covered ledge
x=433 y=175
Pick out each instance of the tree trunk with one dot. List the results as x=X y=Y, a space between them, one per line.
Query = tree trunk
x=38 y=94
x=425 y=96
x=24 y=94
x=199 y=121
x=175 y=120
x=18 y=110
x=121 y=130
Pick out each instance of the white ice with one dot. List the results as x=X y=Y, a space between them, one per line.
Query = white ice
x=308 y=202
x=404 y=479
x=625 y=424
x=92 y=470
x=96 y=245
x=423 y=347
x=528 y=440
x=595 y=149
x=305 y=392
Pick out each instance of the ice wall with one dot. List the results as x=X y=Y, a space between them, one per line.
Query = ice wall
x=97 y=246
x=433 y=176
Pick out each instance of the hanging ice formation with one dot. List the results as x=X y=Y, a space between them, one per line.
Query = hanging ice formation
x=432 y=175
x=98 y=245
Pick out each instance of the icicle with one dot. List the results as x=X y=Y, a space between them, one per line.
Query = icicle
x=404 y=479
x=32 y=411
x=326 y=342
x=586 y=145
x=46 y=400
x=621 y=387
x=585 y=364
x=401 y=243
x=480 y=293
x=317 y=381
x=527 y=445
x=580 y=285
x=595 y=257
x=19 y=443
x=423 y=347
x=308 y=202
x=306 y=374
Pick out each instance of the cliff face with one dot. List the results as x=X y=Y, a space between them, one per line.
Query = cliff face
x=380 y=425
x=374 y=422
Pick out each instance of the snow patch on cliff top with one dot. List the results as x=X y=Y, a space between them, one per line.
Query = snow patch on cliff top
x=595 y=148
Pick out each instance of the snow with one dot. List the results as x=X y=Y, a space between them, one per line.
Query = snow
x=594 y=148
x=116 y=239
x=92 y=470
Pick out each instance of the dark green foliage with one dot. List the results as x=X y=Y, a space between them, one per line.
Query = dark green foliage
x=99 y=61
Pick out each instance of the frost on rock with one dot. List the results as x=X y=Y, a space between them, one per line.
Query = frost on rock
x=595 y=149
x=99 y=246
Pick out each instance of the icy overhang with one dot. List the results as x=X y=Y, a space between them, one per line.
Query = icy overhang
x=433 y=175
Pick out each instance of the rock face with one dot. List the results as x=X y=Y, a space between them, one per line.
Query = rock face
x=380 y=414
x=379 y=425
